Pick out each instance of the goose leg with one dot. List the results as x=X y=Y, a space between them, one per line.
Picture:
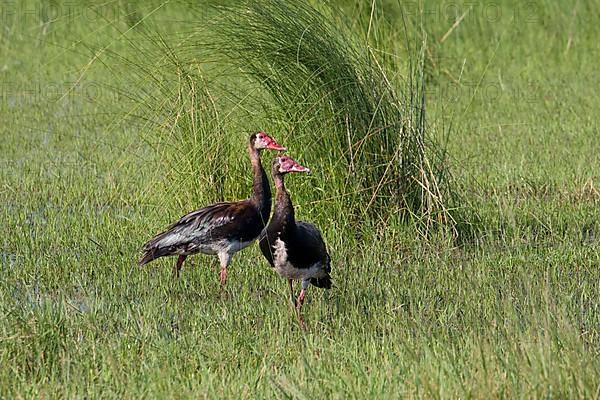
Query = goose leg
x=178 y=265
x=300 y=302
x=224 y=259
x=305 y=284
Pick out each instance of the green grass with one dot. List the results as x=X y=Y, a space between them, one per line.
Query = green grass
x=509 y=308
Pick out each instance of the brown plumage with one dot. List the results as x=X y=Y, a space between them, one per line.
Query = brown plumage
x=220 y=229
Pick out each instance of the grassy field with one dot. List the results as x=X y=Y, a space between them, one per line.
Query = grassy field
x=118 y=119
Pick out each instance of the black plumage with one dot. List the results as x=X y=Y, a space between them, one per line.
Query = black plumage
x=295 y=249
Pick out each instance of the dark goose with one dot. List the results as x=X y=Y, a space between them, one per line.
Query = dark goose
x=221 y=229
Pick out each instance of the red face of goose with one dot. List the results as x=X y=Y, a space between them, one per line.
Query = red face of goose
x=264 y=141
x=288 y=164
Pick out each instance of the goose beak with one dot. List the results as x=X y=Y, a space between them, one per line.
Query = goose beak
x=273 y=145
x=276 y=146
x=299 y=168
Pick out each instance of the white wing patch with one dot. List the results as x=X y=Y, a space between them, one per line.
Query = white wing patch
x=280 y=256
x=287 y=270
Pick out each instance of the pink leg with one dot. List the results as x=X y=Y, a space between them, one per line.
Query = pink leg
x=299 y=304
x=224 y=259
x=223 y=277
x=178 y=265
x=301 y=299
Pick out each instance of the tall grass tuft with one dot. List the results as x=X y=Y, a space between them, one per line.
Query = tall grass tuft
x=165 y=96
x=340 y=105
x=301 y=72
